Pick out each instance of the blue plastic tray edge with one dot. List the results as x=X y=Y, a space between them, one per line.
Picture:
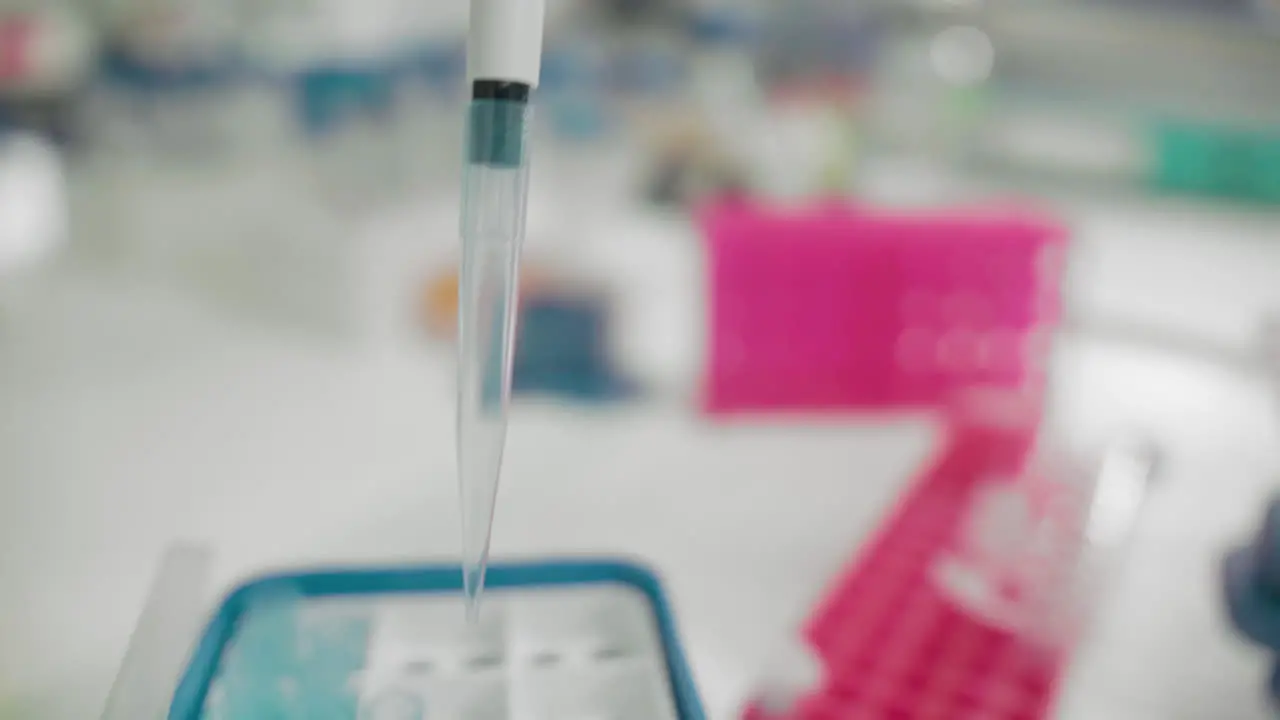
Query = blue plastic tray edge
x=188 y=698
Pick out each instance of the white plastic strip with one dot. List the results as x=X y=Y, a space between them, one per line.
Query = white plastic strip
x=164 y=636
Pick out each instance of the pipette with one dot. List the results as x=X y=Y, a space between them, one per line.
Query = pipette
x=504 y=54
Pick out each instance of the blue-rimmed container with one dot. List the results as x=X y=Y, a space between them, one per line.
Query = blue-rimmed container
x=555 y=639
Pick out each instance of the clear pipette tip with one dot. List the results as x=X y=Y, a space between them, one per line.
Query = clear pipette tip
x=481 y=436
x=495 y=187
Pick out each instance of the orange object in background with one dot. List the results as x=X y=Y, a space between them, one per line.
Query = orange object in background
x=440 y=298
x=440 y=305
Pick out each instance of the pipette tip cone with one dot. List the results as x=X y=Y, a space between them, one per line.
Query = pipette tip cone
x=479 y=490
x=475 y=559
x=492 y=229
x=473 y=585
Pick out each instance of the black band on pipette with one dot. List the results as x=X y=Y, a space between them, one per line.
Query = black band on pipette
x=500 y=90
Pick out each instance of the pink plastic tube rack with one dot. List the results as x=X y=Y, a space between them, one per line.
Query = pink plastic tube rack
x=834 y=308
x=894 y=647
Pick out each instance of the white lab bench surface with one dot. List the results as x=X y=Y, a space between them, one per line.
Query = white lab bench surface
x=132 y=419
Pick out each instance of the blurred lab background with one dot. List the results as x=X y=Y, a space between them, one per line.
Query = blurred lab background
x=768 y=244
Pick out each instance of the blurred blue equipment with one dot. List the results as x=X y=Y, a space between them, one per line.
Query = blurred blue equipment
x=562 y=349
x=1252 y=581
x=125 y=70
x=573 y=91
x=328 y=97
x=438 y=66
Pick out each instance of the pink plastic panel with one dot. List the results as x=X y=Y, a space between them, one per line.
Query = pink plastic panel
x=830 y=308
x=17 y=36
x=894 y=645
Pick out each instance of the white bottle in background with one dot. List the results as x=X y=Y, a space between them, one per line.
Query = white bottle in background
x=34 y=222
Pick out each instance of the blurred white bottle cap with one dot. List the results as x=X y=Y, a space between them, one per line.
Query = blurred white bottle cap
x=33 y=197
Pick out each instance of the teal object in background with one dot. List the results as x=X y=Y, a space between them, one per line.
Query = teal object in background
x=327 y=98
x=1251 y=589
x=562 y=350
x=1214 y=161
x=573 y=93
x=1267 y=169
x=1186 y=160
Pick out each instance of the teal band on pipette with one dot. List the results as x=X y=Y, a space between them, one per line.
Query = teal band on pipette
x=496 y=123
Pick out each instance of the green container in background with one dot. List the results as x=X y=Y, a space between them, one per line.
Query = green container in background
x=1215 y=161
x=1267 y=169
x=1196 y=160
